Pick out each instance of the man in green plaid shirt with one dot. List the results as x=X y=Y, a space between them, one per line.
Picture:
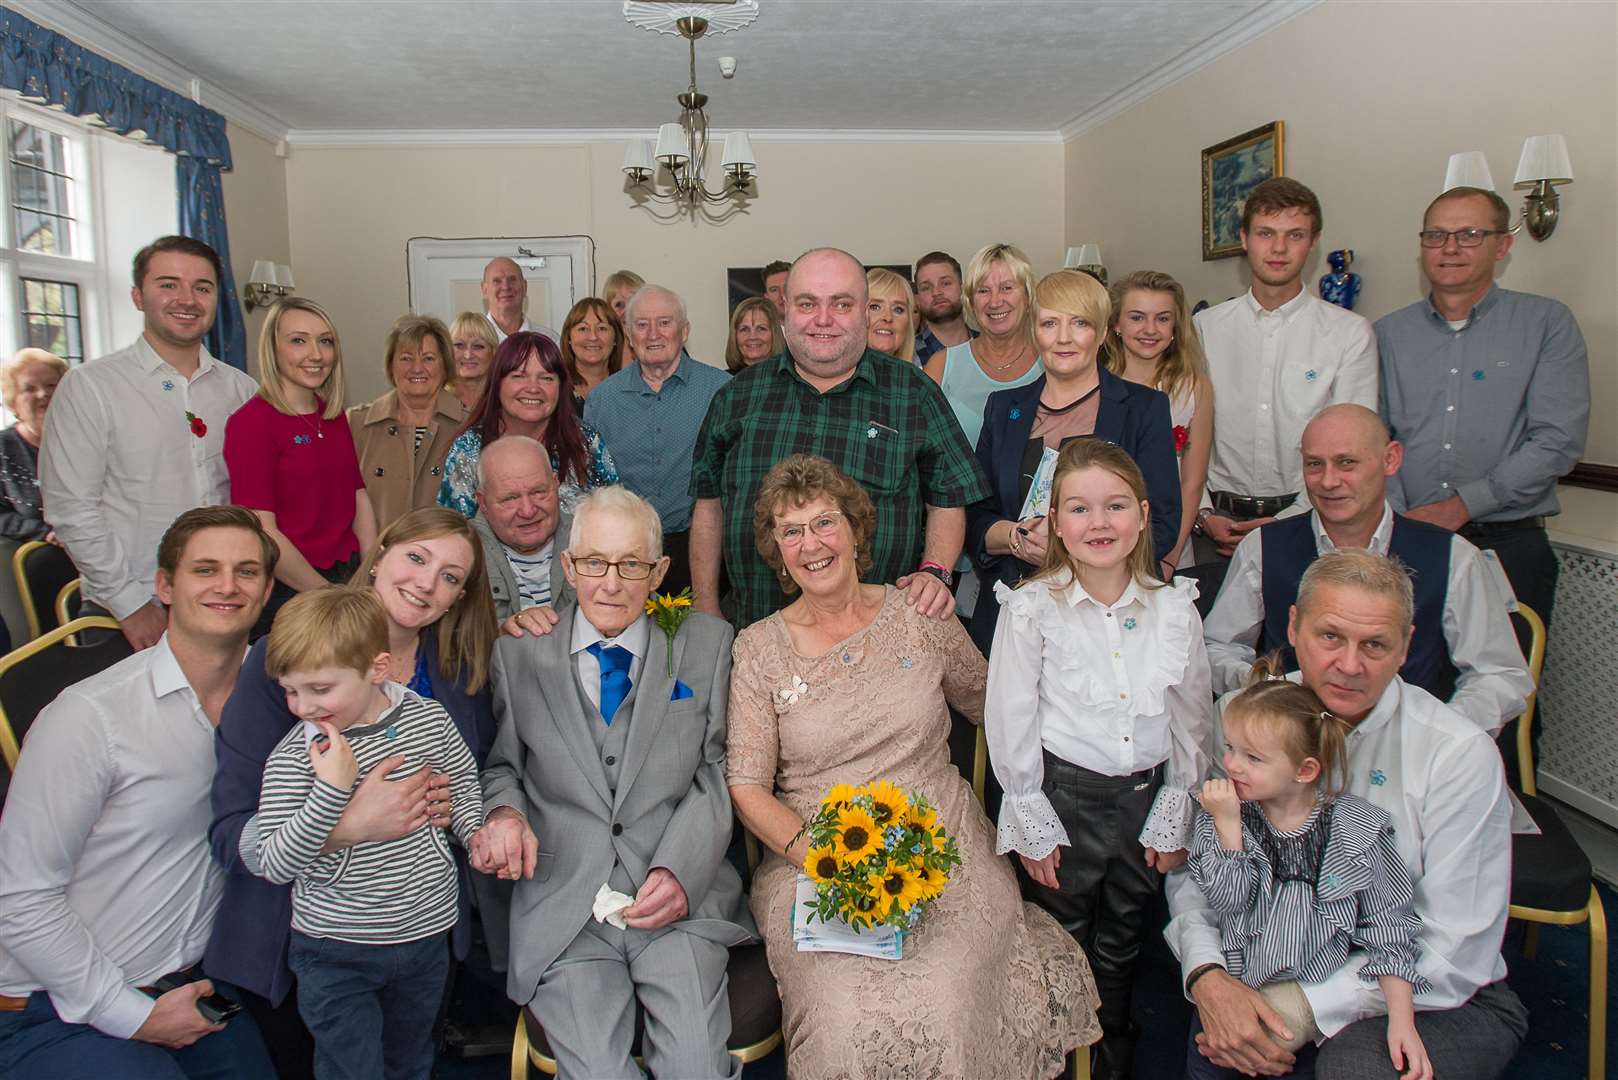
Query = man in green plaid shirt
x=880 y=420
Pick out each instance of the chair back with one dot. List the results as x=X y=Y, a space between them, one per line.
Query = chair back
x=41 y=571
x=32 y=676
x=1536 y=665
x=69 y=602
x=980 y=764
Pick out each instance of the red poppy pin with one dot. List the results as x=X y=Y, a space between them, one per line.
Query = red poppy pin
x=1182 y=438
x=199 y=429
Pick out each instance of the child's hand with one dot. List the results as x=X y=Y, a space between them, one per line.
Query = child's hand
x=1166 y=861
x=1220 y=800
x=1043 y=870
x=1407 y=1052
x=335 y=764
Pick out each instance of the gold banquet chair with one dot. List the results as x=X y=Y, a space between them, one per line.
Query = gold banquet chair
x=1551 y=878
x=32 y=676
x=42 y=570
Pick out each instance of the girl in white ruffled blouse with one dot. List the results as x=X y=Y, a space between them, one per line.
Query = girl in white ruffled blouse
x=1300 y=874
x=1098 y=718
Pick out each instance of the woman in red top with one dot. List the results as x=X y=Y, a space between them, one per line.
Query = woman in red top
x=291 y=456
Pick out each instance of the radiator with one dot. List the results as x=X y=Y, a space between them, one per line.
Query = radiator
x=1579 y=689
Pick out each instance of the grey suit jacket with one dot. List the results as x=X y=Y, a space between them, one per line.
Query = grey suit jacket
x=671 y=808
x=503 y=580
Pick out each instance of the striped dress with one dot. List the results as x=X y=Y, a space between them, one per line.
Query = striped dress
x=1293 y=905
x=382 y=893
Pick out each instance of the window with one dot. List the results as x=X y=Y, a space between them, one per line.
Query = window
x=42 y=187
x=50 y=314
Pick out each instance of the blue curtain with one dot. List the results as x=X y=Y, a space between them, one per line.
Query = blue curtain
x=48 y=69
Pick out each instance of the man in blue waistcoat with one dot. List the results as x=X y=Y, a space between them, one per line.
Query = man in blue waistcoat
x=1463 y=649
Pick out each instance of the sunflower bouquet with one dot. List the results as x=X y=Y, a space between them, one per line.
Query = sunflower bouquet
x=877 y=857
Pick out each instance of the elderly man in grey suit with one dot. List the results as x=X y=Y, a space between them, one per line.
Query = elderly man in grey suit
x=613 y=753
x=519 y=518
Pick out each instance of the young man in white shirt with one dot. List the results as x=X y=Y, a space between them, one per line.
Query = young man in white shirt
x=1439 y=777
x=1464 y=652
x=1277 y=355
x=107 y=889
x=136 y=438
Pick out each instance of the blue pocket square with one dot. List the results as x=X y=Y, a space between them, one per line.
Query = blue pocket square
x=681 y=691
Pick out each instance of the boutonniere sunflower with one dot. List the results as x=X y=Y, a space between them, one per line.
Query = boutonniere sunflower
x=670 y=613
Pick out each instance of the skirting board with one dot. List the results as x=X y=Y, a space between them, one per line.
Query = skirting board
x=1582 y=801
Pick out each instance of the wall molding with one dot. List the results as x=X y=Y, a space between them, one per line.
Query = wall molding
x=1244 y=30
x=330 y=139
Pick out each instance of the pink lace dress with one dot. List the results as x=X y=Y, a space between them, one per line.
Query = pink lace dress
x=989 y=986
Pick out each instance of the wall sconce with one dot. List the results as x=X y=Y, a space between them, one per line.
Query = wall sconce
x=1086 y=257
x=266 y=284
x=1543 y=166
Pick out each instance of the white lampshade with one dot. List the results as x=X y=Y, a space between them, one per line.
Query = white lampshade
x=283 y=276
x=1468 y=169
x=1544 y=157
x=673 y=148
x=263 y=273
x=738 y=151
x=1083 y=255
x=638 y=157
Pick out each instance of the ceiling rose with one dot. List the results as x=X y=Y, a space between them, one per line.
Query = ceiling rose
x=664 y=18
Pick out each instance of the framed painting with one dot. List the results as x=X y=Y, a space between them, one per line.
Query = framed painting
x=1229 y=171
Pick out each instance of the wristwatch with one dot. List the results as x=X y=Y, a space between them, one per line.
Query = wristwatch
x=1202 y=517
x=938 y=570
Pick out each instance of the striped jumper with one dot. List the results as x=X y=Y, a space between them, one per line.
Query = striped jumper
x=382 y=893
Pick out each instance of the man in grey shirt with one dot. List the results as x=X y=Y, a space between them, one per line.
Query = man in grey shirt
x=1489 y=391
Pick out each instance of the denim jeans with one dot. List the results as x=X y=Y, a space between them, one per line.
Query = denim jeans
x=38 y=1044
x=370 y=1008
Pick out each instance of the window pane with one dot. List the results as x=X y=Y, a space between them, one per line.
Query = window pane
x=50 y=313
x=42 y=190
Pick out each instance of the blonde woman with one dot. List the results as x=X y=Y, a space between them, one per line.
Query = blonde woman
x=1154 y=344
x=472 y=339
x=755 y=333
x=291 y=457
x=890 y=327
x=27 y=383
x=616 y=291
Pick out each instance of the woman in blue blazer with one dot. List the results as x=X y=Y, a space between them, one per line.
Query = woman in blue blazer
x=427 y=568
x=1075 y=398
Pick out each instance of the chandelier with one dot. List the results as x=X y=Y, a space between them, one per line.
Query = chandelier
x=682 y=147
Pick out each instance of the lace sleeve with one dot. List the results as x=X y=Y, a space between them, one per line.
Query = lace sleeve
x=966 y=673
x=752 y=741
x=1168 y=826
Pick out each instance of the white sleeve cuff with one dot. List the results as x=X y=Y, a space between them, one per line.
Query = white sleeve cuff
x=1029 y=826
x=1168 y=826
x=125 y=1015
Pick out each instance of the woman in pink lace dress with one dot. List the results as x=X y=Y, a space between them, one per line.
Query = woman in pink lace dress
x=848 y=684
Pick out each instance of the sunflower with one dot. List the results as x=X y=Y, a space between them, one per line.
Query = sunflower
x=821 y=863
x=895 y=885
x=839 y=796
x=930 y=882
x=855 y=835
x=888 y=803
x=921 y=817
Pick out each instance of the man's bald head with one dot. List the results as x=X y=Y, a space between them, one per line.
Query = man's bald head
x=826 y=316
x=1348 y=456
x=517 y=492
x=1355 y=421
x=504 y=289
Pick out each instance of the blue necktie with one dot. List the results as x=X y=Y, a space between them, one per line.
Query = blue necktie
x=614 y=661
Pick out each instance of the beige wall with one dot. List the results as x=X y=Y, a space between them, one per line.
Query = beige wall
x=256 y=211
x=1375 y=97
x=351 y=211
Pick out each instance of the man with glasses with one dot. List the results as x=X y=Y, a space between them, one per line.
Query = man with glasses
x=1489 y=391
x=611 y=747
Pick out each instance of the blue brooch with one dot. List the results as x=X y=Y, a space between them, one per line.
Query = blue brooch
x=1129 y=623
x=1015 y=414
x=1311 y=374
x=870 y=433
x=1378 y=777
x=392 y=732
x=1332 y=881
x=168 y=384
x=906 y=663
x=1477 y=376
x=847 y=659
x=300 y=440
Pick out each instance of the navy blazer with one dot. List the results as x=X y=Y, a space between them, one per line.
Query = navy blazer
x=248 y=946
x=1135 y=417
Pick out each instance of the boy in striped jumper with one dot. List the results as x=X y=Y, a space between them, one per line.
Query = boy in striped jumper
x=370 y=923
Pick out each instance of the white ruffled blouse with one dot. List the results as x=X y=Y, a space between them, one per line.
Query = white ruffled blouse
x=1111 y=688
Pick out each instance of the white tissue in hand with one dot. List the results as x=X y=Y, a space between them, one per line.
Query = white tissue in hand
x=609 y=906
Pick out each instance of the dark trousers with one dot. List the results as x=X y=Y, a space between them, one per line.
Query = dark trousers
x=370 y=1008
x=292 y=1050
x=1525 y=555
x=1104 y=885
x=38 y=1044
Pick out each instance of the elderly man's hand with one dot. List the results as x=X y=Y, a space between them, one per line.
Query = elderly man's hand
x=927 y=594
x=660 y=901
x=534 y=621
x=1236 y=1026
x=505 y=847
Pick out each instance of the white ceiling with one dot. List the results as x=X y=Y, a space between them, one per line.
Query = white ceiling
x=462 y=65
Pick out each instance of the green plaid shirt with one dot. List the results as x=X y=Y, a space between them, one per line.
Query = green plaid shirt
x=888 y=426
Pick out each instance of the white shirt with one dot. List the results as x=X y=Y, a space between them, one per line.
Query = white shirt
x=118 y=462
x=106 y=882
x=1111 y=688
x=500 y=335
x=634 y=638
x=1492 y=684
x=1272 y=372
x=1439 y=777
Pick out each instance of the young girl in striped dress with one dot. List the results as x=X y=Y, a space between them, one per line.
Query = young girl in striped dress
x=1300 y=874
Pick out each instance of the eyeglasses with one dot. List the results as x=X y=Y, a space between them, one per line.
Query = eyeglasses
x=628 y=569
x=1437 y=238
x=823 y=525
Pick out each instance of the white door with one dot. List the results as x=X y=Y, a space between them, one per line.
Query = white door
x=445 y=275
